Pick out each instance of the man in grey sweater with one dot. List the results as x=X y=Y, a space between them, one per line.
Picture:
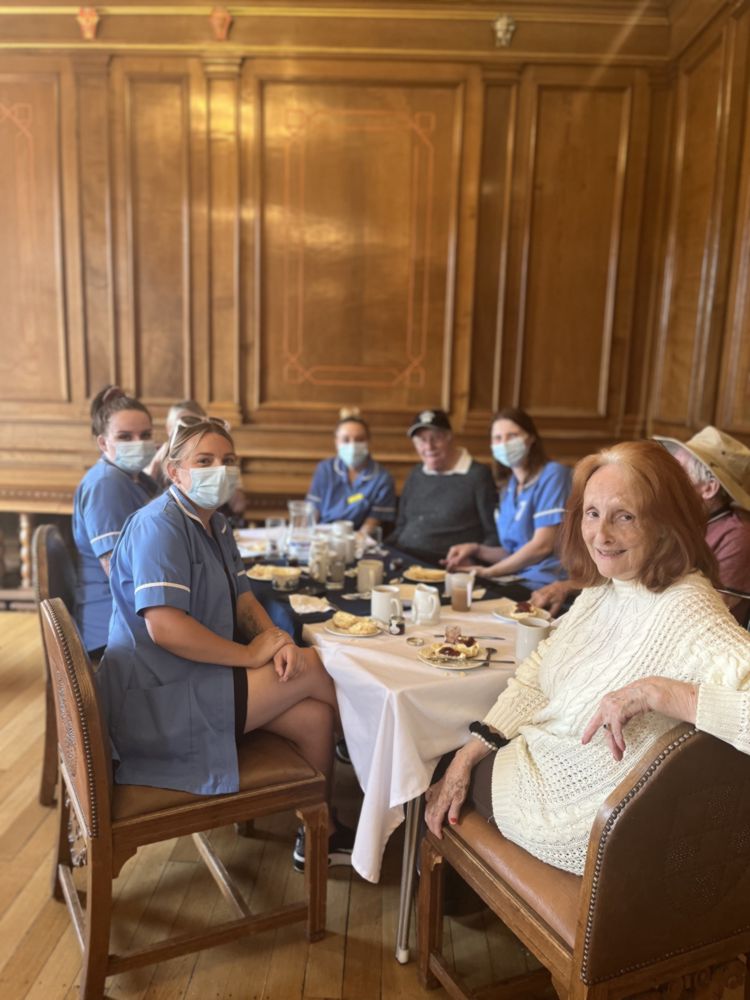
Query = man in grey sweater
x=446 y=500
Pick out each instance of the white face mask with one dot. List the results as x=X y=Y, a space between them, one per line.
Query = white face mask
x=353 y=453
x=510 y=454
x=212 y=486
x=133 y=456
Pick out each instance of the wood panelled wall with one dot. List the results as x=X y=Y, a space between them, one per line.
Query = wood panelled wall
x=380 y=208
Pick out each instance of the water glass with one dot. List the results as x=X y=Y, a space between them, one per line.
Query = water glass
x=274 y=536
x=336 y=571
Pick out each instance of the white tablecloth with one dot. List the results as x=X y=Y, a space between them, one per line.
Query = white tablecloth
x=400 y=715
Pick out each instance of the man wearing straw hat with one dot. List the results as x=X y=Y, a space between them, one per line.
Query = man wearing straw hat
x=719 y=468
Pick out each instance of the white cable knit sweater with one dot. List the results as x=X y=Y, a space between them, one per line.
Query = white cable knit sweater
x=546 y=786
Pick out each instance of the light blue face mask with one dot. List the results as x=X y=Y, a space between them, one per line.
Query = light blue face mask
x=353 y=453
x=133 y=456
x=212 y=486
x=510 y=454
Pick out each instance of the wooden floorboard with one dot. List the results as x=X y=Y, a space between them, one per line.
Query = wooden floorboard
x=165 y=889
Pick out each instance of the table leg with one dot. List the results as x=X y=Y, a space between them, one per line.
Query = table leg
x=411 y=828
x=25 y=525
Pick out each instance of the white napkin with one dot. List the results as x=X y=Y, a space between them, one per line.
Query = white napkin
x=304 y=605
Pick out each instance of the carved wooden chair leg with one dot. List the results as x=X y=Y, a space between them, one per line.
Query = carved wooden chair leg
x=62 y=854
x=429 y=913
x=97 y=924
x=316 y=868
x=49 y=759
x=580 y=991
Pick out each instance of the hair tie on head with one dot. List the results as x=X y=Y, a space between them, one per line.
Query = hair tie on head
x=114 y=392
x=349 y=413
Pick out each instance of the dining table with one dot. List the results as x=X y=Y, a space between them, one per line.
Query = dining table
x=399 y=714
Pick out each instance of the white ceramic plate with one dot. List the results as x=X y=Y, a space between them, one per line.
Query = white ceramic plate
x=415 y=574
x=343 y=634
x=448 y=663
x=506 y=607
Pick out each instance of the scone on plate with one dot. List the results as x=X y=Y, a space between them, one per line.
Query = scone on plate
x=426 y=574
x=365 y=626
x=344 y=620
x=525 y=609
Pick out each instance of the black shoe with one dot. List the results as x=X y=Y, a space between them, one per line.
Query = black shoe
x=342 y=752
x=340 y=845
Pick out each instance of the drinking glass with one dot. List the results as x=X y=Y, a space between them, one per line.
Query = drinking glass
x=274 y=537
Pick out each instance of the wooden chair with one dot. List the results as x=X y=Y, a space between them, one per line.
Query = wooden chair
x=54 y=576
x=110 y=822
x=664 y=899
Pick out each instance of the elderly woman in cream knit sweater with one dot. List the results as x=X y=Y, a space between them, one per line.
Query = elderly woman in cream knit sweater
x=648 y=641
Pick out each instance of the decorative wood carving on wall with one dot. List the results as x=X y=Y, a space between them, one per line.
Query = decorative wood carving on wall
x=221 y=22
x=88 y=21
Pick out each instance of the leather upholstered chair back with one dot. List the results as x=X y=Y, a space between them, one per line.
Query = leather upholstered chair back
x=54 y=572
x=84 y=751
x=668 y=868
x=54 y=576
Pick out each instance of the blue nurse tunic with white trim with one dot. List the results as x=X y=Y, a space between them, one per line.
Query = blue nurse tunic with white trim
x=371 y=495
x=104 y=500
x=171 y=720
x=522 y=510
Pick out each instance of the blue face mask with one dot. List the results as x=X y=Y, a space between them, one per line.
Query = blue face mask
x=510 y=454
x=353 y=453
x=133 y=456
x=212 y=486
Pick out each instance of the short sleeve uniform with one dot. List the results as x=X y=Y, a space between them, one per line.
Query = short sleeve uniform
x=522 y=510
x=371 y=495
x=171 y=720
x=104 y=500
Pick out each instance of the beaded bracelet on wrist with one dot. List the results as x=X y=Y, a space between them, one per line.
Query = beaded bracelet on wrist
x=482 y=732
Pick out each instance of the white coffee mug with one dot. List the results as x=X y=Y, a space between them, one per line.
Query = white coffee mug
x=369 y=574
x=529 y=633
x=425 y=606
x=385 y=602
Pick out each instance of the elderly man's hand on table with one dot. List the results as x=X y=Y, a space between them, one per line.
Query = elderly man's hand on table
x=459 y=556
x=675 y=699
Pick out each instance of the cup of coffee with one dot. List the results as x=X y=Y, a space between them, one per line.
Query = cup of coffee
x=461 y=585
x=529 y=633
x=385 y=602
x=369 y=574
x=425 y=605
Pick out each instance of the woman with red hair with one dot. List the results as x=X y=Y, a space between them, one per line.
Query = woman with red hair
x=648 y=641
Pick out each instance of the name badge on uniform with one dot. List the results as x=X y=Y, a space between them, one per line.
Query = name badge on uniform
x=355 y=498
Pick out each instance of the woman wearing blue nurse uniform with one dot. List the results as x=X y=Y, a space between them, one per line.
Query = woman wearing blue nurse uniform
x=533 y=493
x=105 y=498
x=192 y=660
x=353 y=486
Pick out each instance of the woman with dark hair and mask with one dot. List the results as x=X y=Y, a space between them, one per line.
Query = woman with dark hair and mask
x=193 y=661
x=352 y=486
x=533 y=493
x=108 y=494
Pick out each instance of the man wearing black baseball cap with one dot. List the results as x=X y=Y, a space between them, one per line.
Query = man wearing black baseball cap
x=447 y=499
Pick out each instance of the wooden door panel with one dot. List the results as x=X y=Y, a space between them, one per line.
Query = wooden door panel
x=356 y=229
x=34 y=356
